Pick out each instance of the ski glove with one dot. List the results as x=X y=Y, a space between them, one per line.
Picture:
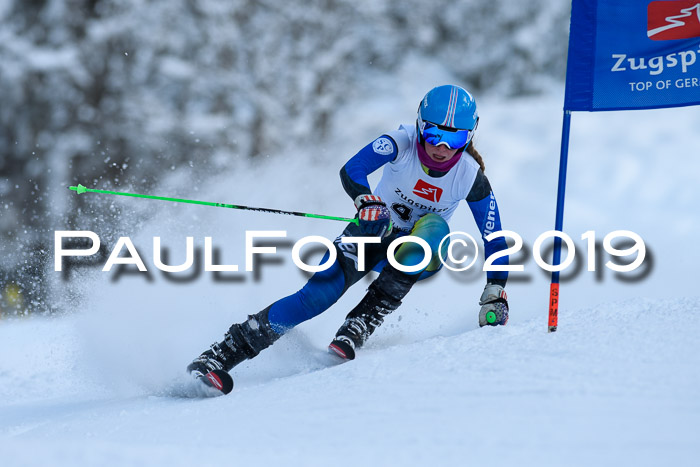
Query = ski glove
x=494 y=306
x=373 y=215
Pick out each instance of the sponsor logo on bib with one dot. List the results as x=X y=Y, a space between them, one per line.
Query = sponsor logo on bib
x=427 y=191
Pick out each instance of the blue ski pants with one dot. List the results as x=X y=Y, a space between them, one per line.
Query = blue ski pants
x=324 y=288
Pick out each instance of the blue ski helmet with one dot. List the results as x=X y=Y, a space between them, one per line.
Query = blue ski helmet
x=447 y=115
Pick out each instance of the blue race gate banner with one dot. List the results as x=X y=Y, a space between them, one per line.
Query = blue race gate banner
x=633 y=54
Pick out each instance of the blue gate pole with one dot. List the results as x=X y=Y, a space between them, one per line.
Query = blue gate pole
x=559 y=223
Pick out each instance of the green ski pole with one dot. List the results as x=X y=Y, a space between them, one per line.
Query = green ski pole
x=80 y=189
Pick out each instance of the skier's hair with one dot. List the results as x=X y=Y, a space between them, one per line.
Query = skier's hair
x=471 y=150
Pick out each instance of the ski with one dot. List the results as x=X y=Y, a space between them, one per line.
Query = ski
x=213 y=384
x=341 y=349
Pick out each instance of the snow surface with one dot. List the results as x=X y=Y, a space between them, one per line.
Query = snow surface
x=616 y=385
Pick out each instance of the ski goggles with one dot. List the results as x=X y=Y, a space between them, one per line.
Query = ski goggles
x=450 y=137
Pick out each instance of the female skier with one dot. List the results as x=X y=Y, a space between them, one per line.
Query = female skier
x=426 y=175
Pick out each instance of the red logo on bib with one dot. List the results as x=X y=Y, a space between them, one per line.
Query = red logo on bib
x=678 y=19
x=427 y=191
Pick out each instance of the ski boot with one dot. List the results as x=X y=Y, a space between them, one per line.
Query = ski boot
x=242 y=341
x=383 y=296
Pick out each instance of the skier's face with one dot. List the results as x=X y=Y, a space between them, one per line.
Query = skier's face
x=439 y=153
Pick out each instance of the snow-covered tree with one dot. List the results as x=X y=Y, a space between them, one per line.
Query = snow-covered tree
x=113 y=93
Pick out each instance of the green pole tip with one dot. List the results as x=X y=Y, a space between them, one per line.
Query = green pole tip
x=80 y=189
x=490 y=317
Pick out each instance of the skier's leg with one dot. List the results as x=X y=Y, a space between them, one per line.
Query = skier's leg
x=246 y=340
x=325 y=287
x=386 y=292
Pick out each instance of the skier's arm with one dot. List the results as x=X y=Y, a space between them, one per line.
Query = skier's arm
x=373 y=216
x=354 y=173
x=483 y=205
x=493 y=301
